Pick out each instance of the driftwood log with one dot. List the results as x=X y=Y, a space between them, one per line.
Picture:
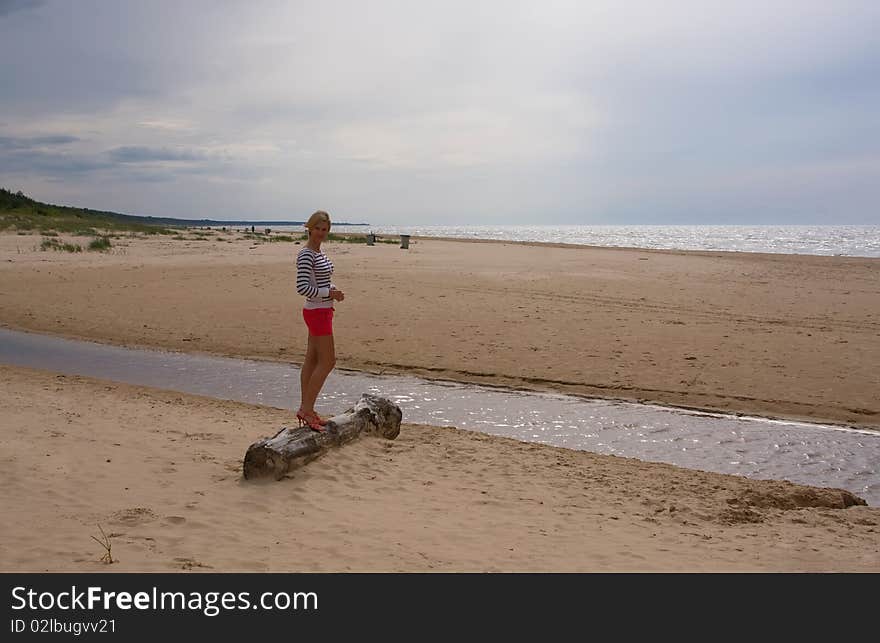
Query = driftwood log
x=292 y=447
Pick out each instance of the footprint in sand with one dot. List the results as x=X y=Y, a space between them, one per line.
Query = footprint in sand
x=132 y=516
x=189 y=563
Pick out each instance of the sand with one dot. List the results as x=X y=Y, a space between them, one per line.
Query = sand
x=160 y=471
x=787 y=336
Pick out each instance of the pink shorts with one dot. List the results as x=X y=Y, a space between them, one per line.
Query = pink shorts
x=319 y=320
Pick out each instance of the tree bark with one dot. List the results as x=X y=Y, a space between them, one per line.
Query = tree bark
x=295 y=446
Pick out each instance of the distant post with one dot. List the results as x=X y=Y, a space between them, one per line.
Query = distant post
x=404 y=241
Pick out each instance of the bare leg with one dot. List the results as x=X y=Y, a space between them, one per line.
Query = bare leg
x=326 y=362
x=308 y=367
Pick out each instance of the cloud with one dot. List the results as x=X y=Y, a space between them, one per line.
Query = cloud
x=42 y=163
x=41 y=154
x=25 y=143
x=10 y=6
x=536 y=111
x=144 y=154
x=168 y=125
x=135 y=164
x=536 y=129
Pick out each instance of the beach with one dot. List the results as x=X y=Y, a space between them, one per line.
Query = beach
x=786 y=336
x=160 y=473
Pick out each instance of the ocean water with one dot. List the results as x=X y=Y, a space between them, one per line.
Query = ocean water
x=840 y=240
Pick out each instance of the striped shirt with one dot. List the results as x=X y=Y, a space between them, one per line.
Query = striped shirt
x=313 y=270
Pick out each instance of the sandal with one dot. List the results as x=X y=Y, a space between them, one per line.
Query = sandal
x=312 y=419
x=320 y=417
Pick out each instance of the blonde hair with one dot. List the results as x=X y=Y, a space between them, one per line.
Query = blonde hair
x=317 y=218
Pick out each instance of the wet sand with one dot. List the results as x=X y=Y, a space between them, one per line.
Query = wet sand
x=160 y=473
x=787 y=336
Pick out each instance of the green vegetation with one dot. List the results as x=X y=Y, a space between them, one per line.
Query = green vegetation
x=54 y=244
x=20 y=212
x=101 y=244
x=86 y=232
x=26 y=216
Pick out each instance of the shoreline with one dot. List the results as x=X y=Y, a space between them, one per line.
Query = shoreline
x=563 y=388
x=674 y=251
x=160 y=470
x=264 y=358
x=785 y=337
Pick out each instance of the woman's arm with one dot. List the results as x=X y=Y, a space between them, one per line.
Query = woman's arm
x=305 y=273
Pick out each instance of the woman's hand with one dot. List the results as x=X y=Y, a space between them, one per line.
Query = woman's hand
x=336 y=294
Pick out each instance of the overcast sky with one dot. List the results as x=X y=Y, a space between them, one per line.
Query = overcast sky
x=447 y=112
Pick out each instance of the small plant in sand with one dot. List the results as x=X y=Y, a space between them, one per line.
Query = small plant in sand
x=54 y=244
x=101 y=244
x=104 y=541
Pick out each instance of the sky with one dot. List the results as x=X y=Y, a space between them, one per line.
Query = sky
x=447 y=113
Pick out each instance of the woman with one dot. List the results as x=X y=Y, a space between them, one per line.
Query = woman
x=313 y=270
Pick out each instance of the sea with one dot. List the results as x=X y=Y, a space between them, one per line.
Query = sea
x=836 y=240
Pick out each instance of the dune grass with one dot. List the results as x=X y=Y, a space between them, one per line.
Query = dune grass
x=26 y=216
x=53 y=244
x=20 y=212
x=101 y=244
